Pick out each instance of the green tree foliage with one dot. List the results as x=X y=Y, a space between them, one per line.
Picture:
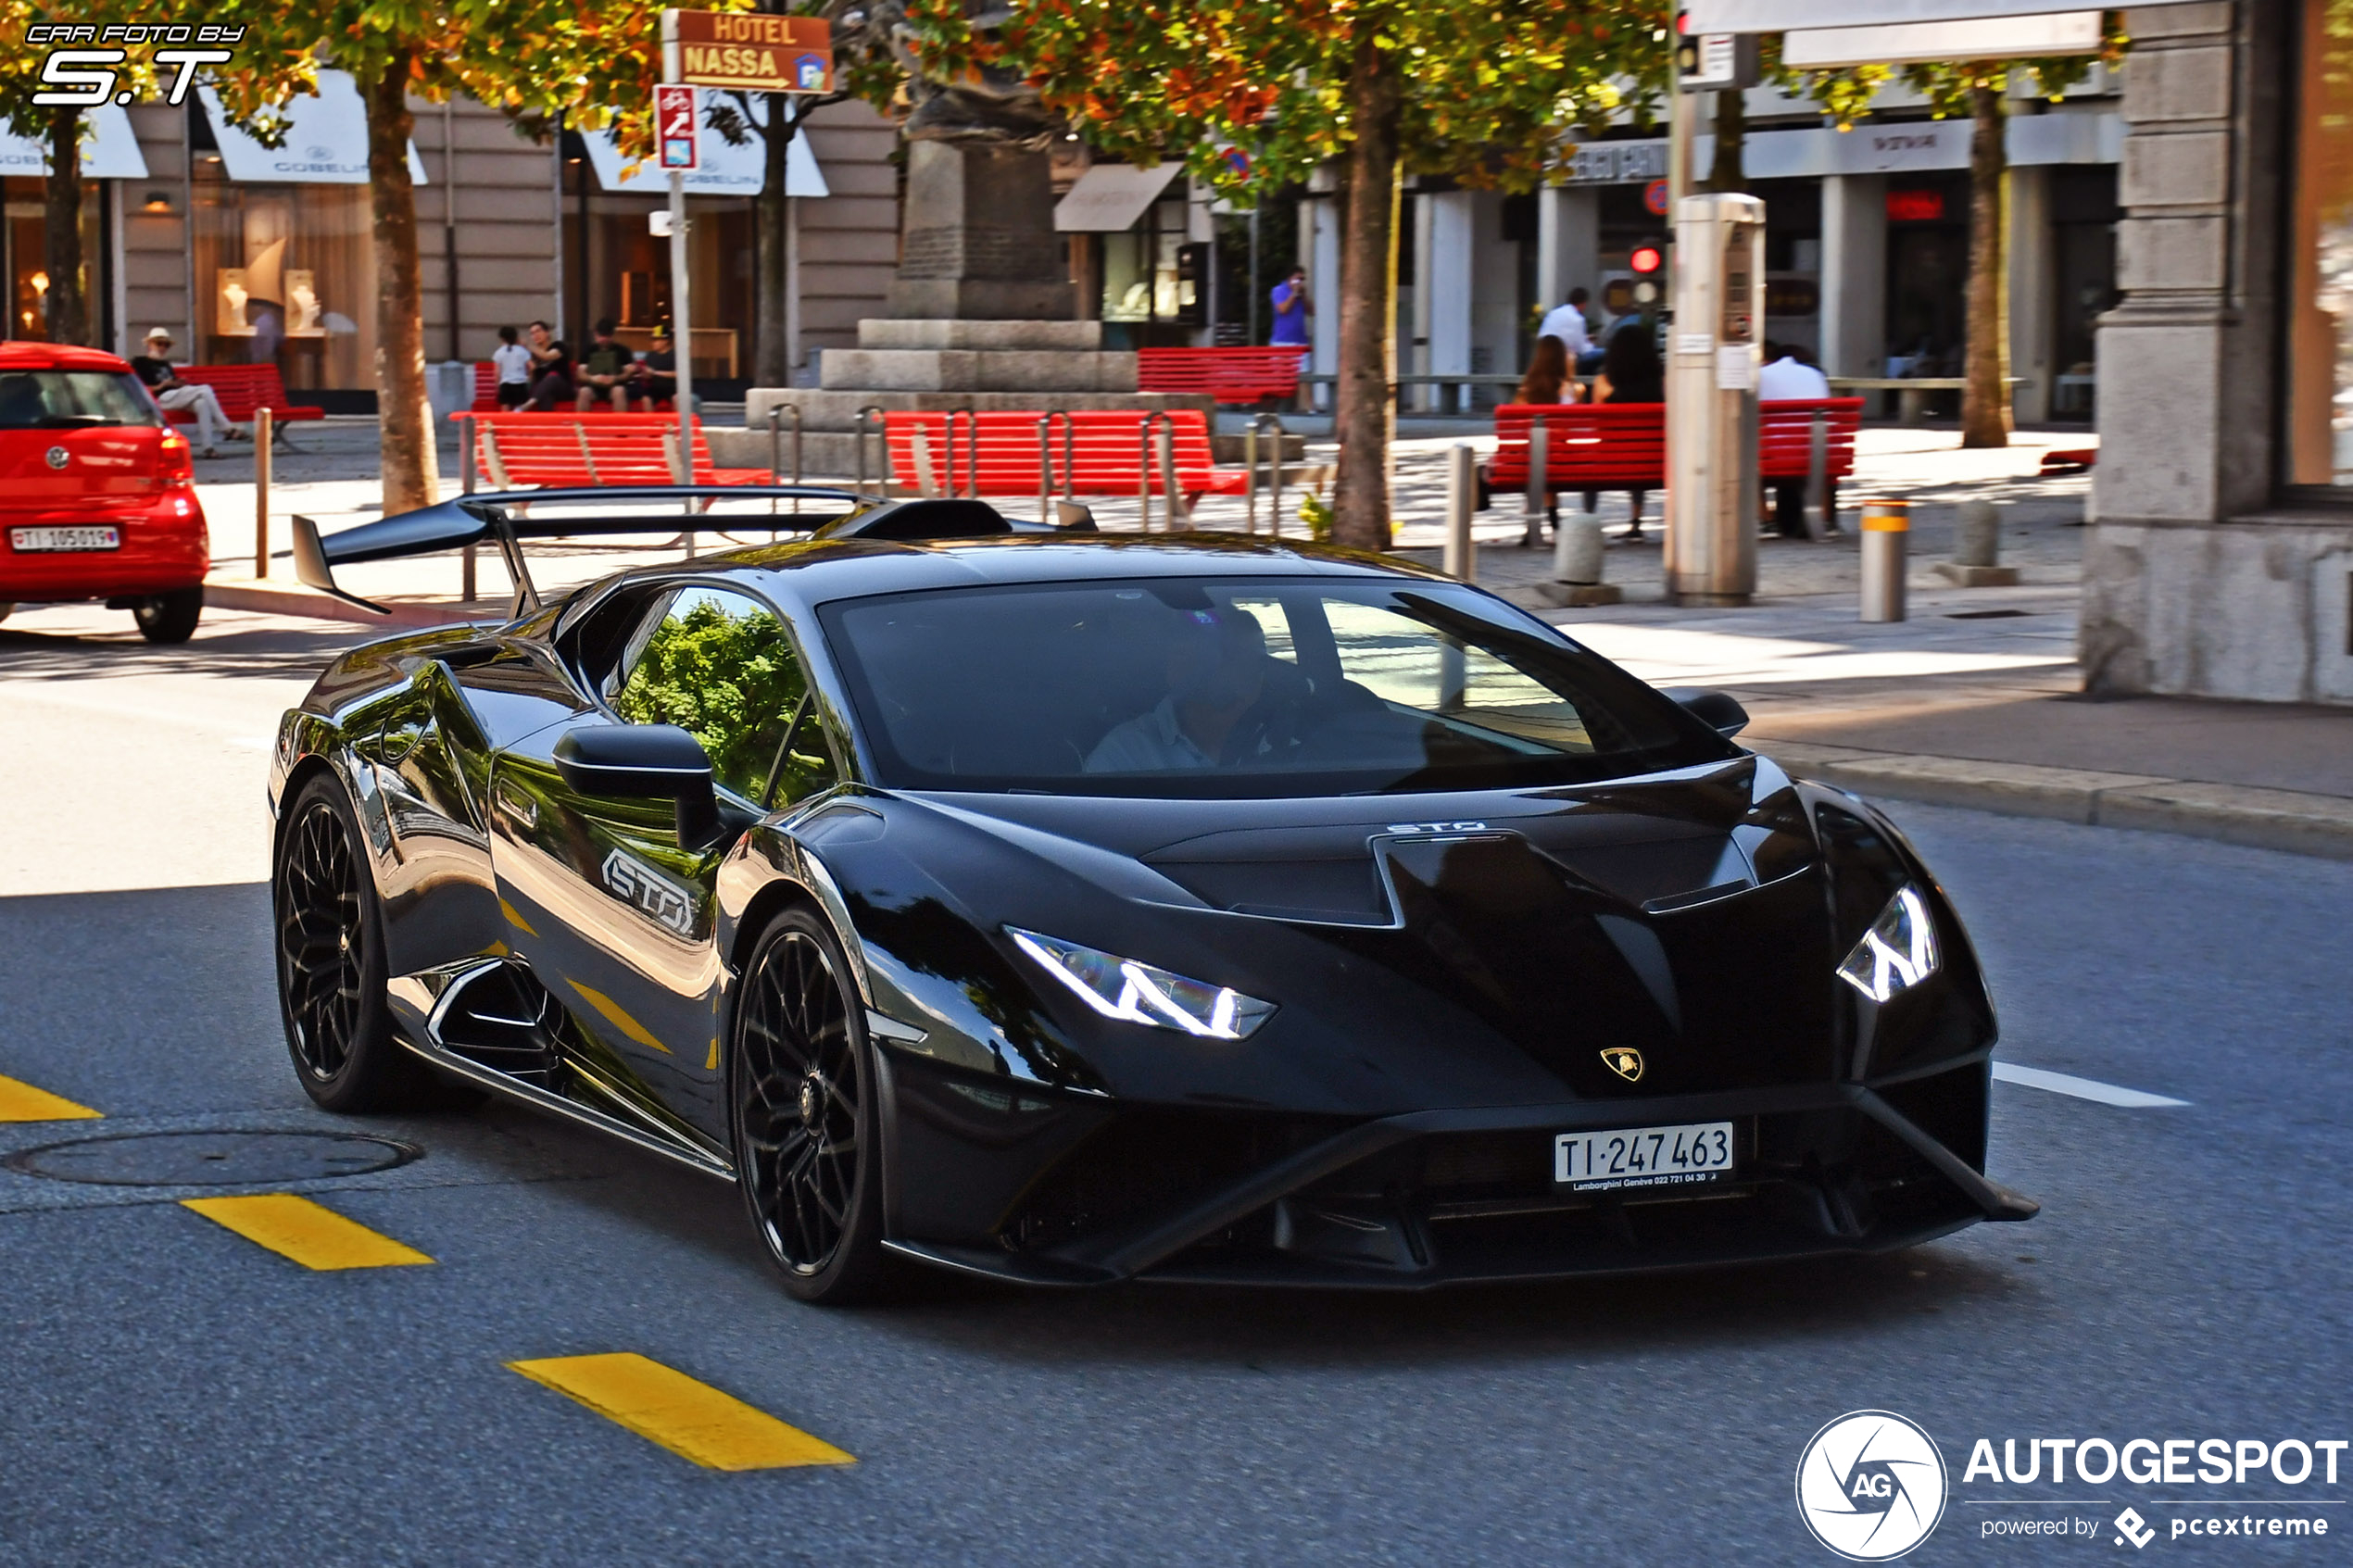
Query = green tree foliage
x=1480 y=90
x=732 y=682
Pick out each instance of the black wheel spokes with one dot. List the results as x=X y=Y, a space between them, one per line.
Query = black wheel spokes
x=800 y=1103
x=318 y=940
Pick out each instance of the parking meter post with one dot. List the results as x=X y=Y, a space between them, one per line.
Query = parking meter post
x=1886 y=531
x=1711 y=400
x=1462 y=482
x=262 y=423
x=680 y=316
x=466 y=487
x=1539 y=447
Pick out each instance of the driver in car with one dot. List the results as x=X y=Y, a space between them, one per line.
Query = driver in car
x=1216 y=670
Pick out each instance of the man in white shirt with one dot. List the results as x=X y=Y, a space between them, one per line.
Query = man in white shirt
x=1788 y=380
x=1216 y=670
x=1784 y=378
x=1568 y=323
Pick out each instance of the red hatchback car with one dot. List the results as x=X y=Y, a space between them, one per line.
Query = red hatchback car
x=98 y=494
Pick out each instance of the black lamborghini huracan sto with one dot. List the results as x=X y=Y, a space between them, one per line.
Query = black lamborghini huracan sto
x=1065 y=908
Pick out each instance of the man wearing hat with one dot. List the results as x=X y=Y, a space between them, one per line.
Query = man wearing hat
x=171 y=394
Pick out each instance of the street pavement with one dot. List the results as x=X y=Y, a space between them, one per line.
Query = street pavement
x=176 y=1393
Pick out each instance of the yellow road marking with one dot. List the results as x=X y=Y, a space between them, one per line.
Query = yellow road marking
x=315 y=1236
x=22 y=1102
x=617 y=1017
x=692 y=1420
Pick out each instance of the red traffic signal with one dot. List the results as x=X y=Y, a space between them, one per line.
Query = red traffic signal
x=1646 y=260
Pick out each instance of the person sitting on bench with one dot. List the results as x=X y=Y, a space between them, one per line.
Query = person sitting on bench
x=606 y=372
x=656 y=375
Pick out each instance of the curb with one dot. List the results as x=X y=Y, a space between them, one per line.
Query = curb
x=2292 y=820
x=292 y=598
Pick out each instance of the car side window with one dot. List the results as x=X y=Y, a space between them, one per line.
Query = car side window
x=721 y=666
x=806 y=765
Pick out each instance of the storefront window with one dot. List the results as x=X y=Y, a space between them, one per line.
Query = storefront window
x=286 y=275
x=26 y=256
x=2320 y=293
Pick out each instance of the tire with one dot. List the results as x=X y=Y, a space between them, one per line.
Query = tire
x=329 y=931
x=170 y=617
x=804 y=1116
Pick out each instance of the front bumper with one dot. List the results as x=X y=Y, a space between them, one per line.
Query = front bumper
x=1459 y=1197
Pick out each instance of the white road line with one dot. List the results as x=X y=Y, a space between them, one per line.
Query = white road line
x=2081 y=1088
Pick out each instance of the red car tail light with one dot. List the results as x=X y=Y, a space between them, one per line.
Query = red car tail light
x=175 y=464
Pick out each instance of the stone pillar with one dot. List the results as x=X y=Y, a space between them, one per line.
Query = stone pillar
x=2199 y=578
x=1446 y=299
x=979 y=237
x=1853 y=318
x=1568 y=242
x=1320 y=255
x=2032 y=311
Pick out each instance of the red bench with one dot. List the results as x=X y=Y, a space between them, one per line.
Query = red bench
x=559 y=451
x=1231 y=375
x=997 y=454
x=486 y=397
x=244 y=391
x=1623 y=446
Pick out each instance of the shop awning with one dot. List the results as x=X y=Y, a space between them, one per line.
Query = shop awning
x=725 y=170
x=1779 y=16
x=1109 y=198
x=326 y=144
x=109 y=152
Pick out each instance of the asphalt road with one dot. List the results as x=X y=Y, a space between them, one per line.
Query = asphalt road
x=170 y=1392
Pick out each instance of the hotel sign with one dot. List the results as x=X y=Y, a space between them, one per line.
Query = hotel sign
x=755 y=51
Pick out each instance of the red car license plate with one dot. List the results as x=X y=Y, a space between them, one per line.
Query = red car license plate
x=31 y=541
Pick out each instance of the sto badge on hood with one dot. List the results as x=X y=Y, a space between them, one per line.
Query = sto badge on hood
x=1626 y=1061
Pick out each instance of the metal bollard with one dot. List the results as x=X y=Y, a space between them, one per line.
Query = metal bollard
x=1539 y=449
x=1461 y=560
x=261 y=492
x=1887 y=528
x=465 y=456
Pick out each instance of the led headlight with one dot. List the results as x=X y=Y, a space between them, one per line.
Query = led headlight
x=1897 y=952
x=1137 y=993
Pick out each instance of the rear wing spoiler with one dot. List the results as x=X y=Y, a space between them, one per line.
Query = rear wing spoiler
x=505 y=518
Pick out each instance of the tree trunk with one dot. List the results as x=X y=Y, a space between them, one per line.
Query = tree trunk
x=1986 y=403
x=1732 y=132
x=409 y=460
x=771 y=354
x=66 y=313
x=1367 y=304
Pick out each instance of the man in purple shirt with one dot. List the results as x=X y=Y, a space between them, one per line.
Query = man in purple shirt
x=1291 y=309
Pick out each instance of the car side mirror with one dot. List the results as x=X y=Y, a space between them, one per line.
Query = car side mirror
x=1716 y=709
x=645 y=763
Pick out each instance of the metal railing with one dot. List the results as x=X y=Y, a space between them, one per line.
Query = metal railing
x=1046 y=460
x=1249 y=467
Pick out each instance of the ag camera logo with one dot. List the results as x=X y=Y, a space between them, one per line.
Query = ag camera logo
x=1871 y=1485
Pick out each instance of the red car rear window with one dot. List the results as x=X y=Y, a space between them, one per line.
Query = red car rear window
x=70 y=399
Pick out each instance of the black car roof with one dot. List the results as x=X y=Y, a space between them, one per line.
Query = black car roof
x=820 y=571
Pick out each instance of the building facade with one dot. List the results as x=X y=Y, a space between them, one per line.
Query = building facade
x=247 y=253
x=2220 y=561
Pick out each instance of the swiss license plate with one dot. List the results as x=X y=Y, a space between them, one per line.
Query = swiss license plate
x=1643 y=1157
x=30 y=540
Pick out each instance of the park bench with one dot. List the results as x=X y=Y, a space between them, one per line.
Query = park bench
x=245 y=391
x=559 y=451
x=1091 y=452
x=1230 y=375
x=487 y=395
x=1623 y=446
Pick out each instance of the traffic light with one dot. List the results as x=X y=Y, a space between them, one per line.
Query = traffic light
x=1686 y=45
x=1648 y=262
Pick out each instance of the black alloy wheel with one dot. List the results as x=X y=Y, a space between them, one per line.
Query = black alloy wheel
x=330 y=962
x=170 y=617
x=805 y=1119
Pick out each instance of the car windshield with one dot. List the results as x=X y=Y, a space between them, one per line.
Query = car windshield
x=1223 y=687
x=65 y=399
